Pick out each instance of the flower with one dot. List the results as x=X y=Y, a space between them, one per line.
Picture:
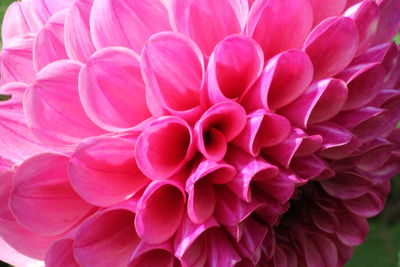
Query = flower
x=195 y=133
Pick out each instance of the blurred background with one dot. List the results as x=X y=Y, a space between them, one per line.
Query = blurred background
x=382 y=247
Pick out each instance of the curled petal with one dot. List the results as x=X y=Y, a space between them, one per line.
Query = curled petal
x=160 y=211
x=159 y=159
x=312 y=167
x=42 y=199
x=220 y=250
x=314 y=105
x=346 y=185
x=107 y=238
x=263 y=129
x=165 y=55
x=234 y=66
x=153 y=255
x=103 y=171
x=108 y=102
x=61 y=254
x=271 y=24
x=332 y=45
x=219 y=125
x=389 y=21
x=126 y=23
x=328 y=8
x=217 y=18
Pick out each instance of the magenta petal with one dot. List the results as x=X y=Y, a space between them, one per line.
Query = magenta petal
x=158 y=159
x=78 y=42
x=366 y=16
x=160 y=211
x=146 y=255
x=217 y=126
x=346 y=185
x=61 y=254
x=16 y=60
x=331 y=46
x=108 y=102
x=165 y=55
x=271 y=24
x=234 y=66
x=374 y=155
x=108 y=238
x=220 y=249
x=312 y=167
x=327 y=8
x=251 y=240
x=55 y=93
x=319 y=250
x=42 y=198
x=353 y=229
x=263 y=129
x=103 y=171
x=314 y=105
x=126 y=23
x=49 y=42
x=325 y=220
x=389 y=20
x=218 y=19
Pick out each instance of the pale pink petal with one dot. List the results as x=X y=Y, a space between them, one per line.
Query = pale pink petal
x=285 y=77
x=217 y=19
x=217 y=126
x=108 y=102
x=327 y=8
x=366 y=16
x=42 y=10
x=49 y=42
x=16 y=63
x=201 y=193
x=346 y=185
x=332 y=45
x=108 y=238
x=389 y=20
x=314 y=105
x=311 y=167
x=78 y=42
x=271 y=24
x=61 y=254
x=42 y=198
x=55 y=95
x=103 y=171
x=159 y=159
x=127 y=23
x=18 y=142
x=160 y=211
x=147 y=255
x=165 y=55
x=353 y=229
x=13 y=257
x=234 y=66
x=263 y=129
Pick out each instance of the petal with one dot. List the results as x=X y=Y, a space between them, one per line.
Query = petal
x=219 y=125
x=11 y=256
x=216 y=18
x=220 y=249
x=103 y=171
x=78 y=42
x=314 y=105
x=53 y=108
x=251 y=241
x=153 y=255
x=234 y=66
x=160 y=211
x=158 y=159
x=389 y=21
x=61 y=254
x=346 y=186
x=165 y=55
x=367 y=205
x=263 y=129
x=331 y=46
x=42 y=198
x=126 y=23
x=285 y=77
x=319 y=250
x=325 y=9
x=108 y=102
x=108 y=238
x=311 y=167
x=49 y=42
x=271 y=24
x=353 y=229
x=43 y=9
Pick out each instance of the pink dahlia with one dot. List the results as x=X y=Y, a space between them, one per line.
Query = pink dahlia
x=195 y=133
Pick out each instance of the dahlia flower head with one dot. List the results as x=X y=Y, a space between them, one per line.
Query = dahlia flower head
x=195 y=132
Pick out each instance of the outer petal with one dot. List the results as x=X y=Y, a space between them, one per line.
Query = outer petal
x=218 y=19
x=319 y=251
x=332 y=45
x=153 y=255
x=354 y=229
x=126 y=23
x=49 y=42
x=234 y=66
x=61 y=254
x=159 y=159
x=315 y=105
x=346 y=185
x=165 y=55
x=103 y=171
x=42 y=198
x=220 y=250
x=55 y=94
x=11 y=256
x=78 y=42
x=43 y=9
x=109 y=102
x=311 y=167
x=160 y=211
x=327 y=8
x=108 y=238
x=271 y=24
x=389 y=21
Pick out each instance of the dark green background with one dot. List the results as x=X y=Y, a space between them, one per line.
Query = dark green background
x=382 y=248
